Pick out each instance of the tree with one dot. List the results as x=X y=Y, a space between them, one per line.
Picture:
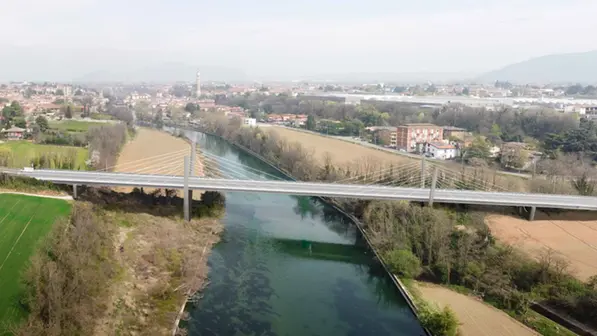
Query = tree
x=584 y=185
x=42 y=122
x=403 y=263
x=514 y=156
x=20 y=122
x=60 y=92
x=311 y=123
x=68 y=114
x=158 y=119
x=479 y=148
x=191 y=108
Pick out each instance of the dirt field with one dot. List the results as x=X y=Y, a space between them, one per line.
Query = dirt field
x=572 y=235
x=344 y=153
x=476 y=317
x=167 y=151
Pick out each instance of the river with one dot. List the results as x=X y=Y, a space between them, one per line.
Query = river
x=289 y=265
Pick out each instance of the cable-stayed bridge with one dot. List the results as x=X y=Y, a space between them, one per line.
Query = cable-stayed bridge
x=425 y=182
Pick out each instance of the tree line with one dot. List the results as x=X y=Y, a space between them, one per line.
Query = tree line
x=447 y=245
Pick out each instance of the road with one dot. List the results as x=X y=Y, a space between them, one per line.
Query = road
x=314 y=189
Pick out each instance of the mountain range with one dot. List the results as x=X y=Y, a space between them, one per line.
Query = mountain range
x=557 y=68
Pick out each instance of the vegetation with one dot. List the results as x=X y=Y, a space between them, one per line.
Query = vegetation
x=505 y=124
x=19 y=154
x=453 y=247
x=76 y=285
x=26 y=184
x=72 y=126
x=107 y=140
x=25 y=220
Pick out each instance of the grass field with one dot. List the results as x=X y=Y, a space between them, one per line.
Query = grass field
x=73 y=125
x=23 y=221
x=21 y=152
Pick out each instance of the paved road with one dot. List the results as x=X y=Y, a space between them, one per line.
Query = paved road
x=314 y=189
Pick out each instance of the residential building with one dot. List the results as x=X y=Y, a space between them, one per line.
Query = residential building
x=251 y=122
x=454 y=132
x=409 y=135
x=386 y=134
x=440 y=150
x=14 y=133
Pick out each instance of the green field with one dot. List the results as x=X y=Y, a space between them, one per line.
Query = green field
x=73 y=126
x=20 y=153
x=23 y=221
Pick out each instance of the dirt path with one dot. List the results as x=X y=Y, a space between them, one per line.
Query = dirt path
x=572 y=235
x=156 y=152
x=65 y=197
x=476 y=318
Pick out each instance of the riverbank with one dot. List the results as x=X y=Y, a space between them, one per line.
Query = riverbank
x=401 y=230
x=137 y=262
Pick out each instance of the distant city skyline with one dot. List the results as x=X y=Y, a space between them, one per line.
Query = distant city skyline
x=63 y=39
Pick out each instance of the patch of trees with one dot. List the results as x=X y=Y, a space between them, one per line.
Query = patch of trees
x=61 y=289
x=447 y=246
x=505 y=124
x=107 y=140
x=13 y=115
x=579 y=140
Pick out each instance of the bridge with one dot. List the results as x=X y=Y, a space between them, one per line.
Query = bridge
x=427 y=182
x=377 y=192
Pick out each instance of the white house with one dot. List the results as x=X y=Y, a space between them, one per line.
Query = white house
x=441 y=150
x=251 y=122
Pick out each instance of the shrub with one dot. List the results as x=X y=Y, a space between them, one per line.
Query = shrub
x=439 y=322
x=403 y=263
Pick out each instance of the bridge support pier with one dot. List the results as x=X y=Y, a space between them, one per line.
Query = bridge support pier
x=74 y=191
x=532 y=214
x=186 y=201
x=433 y=184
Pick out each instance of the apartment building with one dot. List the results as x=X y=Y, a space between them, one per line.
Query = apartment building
x=388 y=134
x=409 y=135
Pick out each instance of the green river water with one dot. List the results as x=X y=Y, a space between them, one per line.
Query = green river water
x=290 y=265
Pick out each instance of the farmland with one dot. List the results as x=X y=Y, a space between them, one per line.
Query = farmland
x=24 y=220
x=73 y=126
x=344 y=153
x=168 y=150
x=19 y=154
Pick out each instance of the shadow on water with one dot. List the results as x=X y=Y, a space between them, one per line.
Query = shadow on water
x=291 y=265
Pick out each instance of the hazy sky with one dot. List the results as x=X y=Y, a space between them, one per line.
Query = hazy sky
x=289 y=38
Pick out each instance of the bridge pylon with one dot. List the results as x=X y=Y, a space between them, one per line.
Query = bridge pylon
x=186 y=193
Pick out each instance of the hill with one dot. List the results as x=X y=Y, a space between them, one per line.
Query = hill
x=557 y=68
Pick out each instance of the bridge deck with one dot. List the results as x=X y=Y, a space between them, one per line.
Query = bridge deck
x=313 y=189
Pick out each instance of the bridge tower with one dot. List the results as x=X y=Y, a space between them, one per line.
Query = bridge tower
x=189 y=171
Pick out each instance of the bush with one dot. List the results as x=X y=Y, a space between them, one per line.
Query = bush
x=439 y=323
x=403 y=263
